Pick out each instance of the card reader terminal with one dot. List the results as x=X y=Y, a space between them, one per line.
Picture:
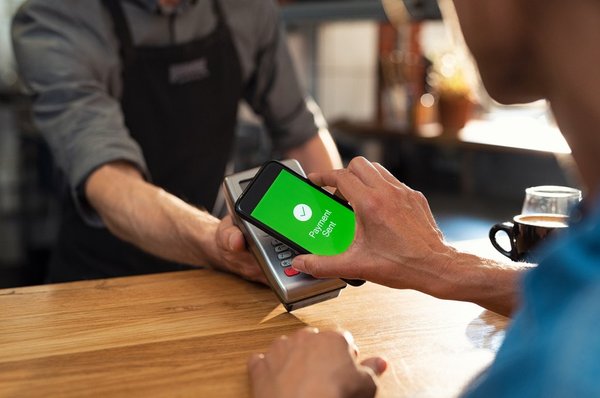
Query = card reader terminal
x=294 y=290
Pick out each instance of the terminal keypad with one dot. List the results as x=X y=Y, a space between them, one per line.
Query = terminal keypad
x=285 y=255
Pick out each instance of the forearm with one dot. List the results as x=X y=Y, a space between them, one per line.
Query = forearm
x=149 y=217
x=490 y=284
x=318 y=154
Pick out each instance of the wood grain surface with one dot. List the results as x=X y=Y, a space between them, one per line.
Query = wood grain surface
x=190 y=334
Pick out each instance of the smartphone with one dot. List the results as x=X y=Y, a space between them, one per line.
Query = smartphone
x=294 y=210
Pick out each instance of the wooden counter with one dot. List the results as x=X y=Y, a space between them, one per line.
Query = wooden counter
x=190 y=334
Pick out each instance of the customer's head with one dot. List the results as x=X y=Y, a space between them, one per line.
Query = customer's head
x=521 y=46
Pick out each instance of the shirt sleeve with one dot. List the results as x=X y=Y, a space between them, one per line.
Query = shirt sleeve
x=552 y=348
x=273 y=90
x=64 y=64
x=561 y=361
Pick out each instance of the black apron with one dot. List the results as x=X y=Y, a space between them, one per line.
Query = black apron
x=180 y=104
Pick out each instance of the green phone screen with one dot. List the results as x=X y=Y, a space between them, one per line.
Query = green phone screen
x=306 y=216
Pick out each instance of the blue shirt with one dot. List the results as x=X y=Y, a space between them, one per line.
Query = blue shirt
x=553 y=346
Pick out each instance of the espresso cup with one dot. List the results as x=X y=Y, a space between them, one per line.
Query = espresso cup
x=526 y=231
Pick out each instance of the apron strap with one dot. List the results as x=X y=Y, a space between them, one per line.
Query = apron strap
x=115 y=8
x=218 y=12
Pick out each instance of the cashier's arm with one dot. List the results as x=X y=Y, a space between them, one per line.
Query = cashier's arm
x=164 y=225
x=317 y=154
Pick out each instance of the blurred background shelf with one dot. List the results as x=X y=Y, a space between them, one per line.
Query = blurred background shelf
x=315 y=12
x=336 y=10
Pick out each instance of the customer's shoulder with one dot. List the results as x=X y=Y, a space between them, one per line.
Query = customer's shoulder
x=574 y=255
x=586 y=233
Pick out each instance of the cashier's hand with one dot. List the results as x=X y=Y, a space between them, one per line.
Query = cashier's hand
x=231 y=254
x=397 y=242
x=313 y=364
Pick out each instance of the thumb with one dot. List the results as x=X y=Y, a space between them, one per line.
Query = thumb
x=322 y=266
x=230 y=238
x=377 y=364
x=235 y=240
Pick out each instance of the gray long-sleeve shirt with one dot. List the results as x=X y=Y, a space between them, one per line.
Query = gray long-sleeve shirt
x=68 y=56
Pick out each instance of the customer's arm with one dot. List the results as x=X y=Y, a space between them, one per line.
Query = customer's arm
x=164 y=225
x=399 y=244
x=491 y=284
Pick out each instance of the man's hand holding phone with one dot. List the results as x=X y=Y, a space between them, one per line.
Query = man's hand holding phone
x=397 y=242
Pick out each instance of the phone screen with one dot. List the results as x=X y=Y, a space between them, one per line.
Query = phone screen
x=306 y=215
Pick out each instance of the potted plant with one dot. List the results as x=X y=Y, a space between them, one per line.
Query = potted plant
x=455 y=97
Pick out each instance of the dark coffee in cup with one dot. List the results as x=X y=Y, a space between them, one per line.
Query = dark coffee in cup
x=526 y=231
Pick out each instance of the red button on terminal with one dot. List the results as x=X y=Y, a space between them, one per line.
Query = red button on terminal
x=289 y=271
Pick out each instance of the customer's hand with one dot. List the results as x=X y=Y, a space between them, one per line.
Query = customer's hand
x=230 y=253
x=397 y=242
x=313 y=364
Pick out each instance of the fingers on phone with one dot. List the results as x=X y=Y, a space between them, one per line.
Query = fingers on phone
x=365 y=170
